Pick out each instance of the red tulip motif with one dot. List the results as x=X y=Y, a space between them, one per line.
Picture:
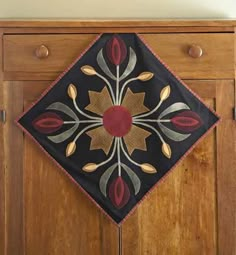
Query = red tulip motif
x=119 y=192
x=187 y=121
x=47 y=123
x=116 y=50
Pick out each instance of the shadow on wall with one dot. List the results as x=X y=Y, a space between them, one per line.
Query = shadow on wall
x=121 y=9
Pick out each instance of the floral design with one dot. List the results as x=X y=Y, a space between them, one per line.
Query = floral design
x=118 y=122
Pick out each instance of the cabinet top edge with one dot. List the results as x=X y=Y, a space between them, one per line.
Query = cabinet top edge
x=43 y=23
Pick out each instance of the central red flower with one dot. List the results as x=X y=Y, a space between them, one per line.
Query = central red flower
x=117 y=121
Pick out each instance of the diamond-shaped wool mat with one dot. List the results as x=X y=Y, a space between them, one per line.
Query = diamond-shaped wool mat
x=117 y=120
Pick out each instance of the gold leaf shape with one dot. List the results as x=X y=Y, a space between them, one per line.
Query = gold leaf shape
x=145 y=76
x=165 y=92
x=147 y=168
x=70 y=149
x=136 y=139
x=166 y=150
x=100 y=139
x=134 y=102
x=99 y=101
x=88 y=70
x=72 y=91
x=90 y=167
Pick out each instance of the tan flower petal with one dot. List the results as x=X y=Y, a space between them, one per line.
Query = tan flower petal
x=147 y=168
x=100 y=139
x=134 y=102
x=145 y=76
x=88 y=70
x=70 y=149
x=166 y=150
x=72 y=91
x=90 y=167
x=99 y=101
x=136 y=139
x=165 y=92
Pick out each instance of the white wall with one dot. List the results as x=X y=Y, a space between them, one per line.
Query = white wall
x=117 y=9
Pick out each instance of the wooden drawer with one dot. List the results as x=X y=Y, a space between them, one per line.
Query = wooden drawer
x=19 y=51
x=216 y=61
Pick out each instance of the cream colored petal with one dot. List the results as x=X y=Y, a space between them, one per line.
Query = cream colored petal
x=70 y=149
x=100 y=139
x=99 y=101
x=134 y=102
x=90 y=167
x=136 y=139
x=147 y=168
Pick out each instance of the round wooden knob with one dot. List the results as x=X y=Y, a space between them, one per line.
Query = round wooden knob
x=195 y=51
x=41 y=52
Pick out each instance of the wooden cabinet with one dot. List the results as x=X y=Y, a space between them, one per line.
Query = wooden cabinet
x=191 y=212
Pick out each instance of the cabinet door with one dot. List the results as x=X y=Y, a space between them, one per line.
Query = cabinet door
x=46 y=213
x=193 y=210
x=190 y=212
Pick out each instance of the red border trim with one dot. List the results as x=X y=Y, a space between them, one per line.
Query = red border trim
x=67 y=174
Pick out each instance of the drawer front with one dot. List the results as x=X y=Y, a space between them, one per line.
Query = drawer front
x=53 y=53
x=216 y=61
x=21 y=51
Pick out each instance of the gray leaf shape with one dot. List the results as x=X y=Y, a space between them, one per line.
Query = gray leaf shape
x=175 y=136
x=131 y=65
x=133 y=177
x=63 y=136
x=174 y=108
x=103 y=65
x=104 y=179
x=58 y=106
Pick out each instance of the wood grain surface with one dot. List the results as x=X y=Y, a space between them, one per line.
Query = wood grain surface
x=116 y=23
x=2 y=166
x=13 y=162
x=172 y=48
x=226 y=169
x=179 y=216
